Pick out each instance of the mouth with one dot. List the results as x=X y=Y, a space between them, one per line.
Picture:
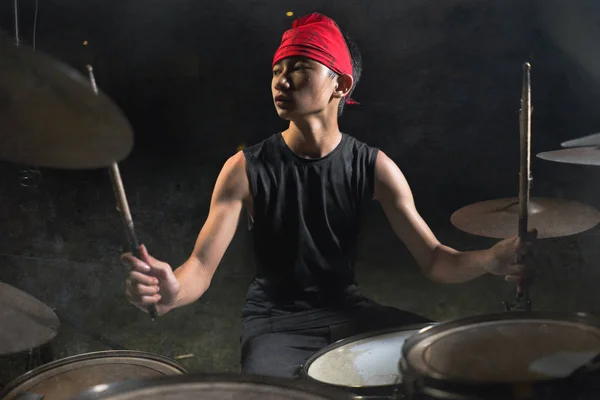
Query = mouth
x=282 y=99
x=283 y=103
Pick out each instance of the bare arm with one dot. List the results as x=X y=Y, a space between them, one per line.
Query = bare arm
x=438 y=262
x=152 y=281
x=230 y=193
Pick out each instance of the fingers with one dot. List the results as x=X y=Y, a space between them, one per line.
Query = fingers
x=142 y=290
x=135 y=263
x=144 y=255
x=148 y=259
x=519 y=273
x=513 y=278
x=136 y=288
x=517 y=268
x=144 y=301
x=141 y=278
x=530 y=238
x=139 y=290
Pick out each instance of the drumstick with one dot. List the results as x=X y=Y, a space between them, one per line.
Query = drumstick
x=524 y=176
x=122 y=204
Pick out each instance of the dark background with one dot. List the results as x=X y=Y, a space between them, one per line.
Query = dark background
x=440 y=94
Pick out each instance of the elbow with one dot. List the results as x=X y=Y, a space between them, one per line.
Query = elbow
x=432 y=269
x=432 y=272
x=441 y=267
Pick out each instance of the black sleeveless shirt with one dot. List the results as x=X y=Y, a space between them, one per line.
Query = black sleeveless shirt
x=306 y=217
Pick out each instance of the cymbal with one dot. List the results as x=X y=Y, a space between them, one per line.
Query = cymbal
x=576 y=155
x=551 y=217
x=26 y=322
x=50 y=116
x=589 y=140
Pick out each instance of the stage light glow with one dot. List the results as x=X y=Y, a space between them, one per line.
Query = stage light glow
x=289 y=13
x=85 y=42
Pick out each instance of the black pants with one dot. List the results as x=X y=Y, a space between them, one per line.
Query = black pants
x=282 y=353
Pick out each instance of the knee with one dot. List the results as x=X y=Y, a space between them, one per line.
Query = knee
x=260 y=357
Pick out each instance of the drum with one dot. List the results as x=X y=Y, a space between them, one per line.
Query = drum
x=65 y=378
x=365 y=365
x=213 y=387
x=514 y=355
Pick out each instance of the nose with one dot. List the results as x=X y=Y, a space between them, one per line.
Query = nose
x=281 y=82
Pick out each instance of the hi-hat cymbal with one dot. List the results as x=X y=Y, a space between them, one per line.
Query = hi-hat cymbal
x=551 y=217
x=589 y=140
x=26 y=322
x=576 y=155
x=50 y=116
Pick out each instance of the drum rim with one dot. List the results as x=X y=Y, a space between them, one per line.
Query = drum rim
x=306 y=366
x=116 y=388
x=85 y=357
x=433 y=380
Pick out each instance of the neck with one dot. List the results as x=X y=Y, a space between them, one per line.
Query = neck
x=313 y=137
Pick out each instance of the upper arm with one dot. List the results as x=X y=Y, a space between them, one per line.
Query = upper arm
x=230 y=193
x=394 y=194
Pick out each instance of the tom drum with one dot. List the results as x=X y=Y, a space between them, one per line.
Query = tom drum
x=513 y=355
x=67 y=377
x=365 y=365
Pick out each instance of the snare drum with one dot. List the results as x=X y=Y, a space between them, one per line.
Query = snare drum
x=213 y=387
x=365 y=365
x=507 y=356
x=65 y=378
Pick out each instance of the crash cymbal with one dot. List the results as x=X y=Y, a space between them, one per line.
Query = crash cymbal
x=25 y=322
x=50 y=117
x=589 y=140
x=576 y=155
x=551 y=217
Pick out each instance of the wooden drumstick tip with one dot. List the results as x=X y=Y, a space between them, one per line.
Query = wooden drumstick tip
x=89 y=68
x=526 y=66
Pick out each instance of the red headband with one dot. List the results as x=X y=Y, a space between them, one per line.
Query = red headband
x=317 y=37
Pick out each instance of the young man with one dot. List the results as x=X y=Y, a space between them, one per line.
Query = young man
x=305 y=189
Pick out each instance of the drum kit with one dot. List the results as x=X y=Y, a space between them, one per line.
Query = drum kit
x=516 y=354
x=51 y=116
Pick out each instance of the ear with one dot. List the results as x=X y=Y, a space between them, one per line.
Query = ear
x=343 y=85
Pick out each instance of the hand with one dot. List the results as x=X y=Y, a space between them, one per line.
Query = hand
x=506 y=255
x=150 y=281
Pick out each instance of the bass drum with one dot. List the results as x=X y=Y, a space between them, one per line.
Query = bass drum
x=213 y=387
x=364 y=365
x=505 y=356
x=65 y=378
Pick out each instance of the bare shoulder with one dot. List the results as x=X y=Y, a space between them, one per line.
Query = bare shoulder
x=233 y=180
x=390 y=182
x=236 y=164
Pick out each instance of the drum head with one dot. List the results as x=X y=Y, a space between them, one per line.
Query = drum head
x=224 y=386
x=366 y=360
x=504 y=348
x=65 y=378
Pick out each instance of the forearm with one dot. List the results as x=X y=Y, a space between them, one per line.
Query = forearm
x=452 y=266
x=194 y=280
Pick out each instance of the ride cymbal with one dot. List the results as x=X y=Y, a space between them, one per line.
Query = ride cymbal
x=50 y=117
x=551 y=217
x=26 y=322
x=589 y=140
x=575 y=155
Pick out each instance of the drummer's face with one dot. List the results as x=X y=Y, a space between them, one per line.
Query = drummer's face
x=301 y=86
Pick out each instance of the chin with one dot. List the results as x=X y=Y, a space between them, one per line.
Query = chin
x=285 y=114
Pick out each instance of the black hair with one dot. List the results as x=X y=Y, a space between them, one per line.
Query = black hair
x=356 y=59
